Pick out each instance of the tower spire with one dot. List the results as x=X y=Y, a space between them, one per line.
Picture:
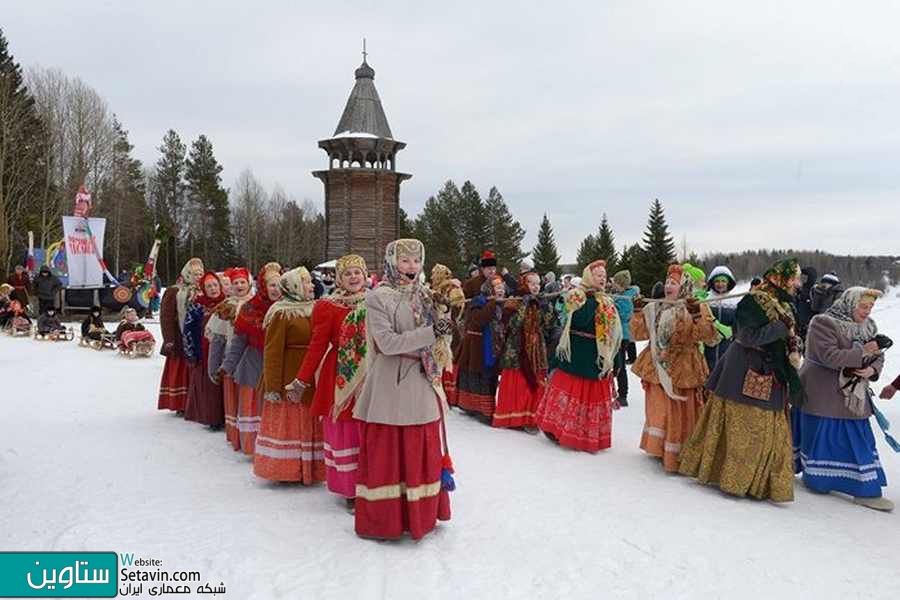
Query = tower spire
x=365 y=54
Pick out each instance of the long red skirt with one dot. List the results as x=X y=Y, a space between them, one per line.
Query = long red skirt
x=204 y=403
x=516 y=400
x=399 y=480
x=173 y=387
x=289 y=446
x=577 y=411
x=248 y=418
x=230 y=405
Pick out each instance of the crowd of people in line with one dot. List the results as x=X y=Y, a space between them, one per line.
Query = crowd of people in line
x=351 y=386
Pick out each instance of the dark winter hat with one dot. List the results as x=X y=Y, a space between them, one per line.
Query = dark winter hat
x=488 y=259
x=622 y=279
x=830 y=278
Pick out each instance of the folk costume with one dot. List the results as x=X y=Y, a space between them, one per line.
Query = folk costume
x=219 y=331
x=576 y=409
x=742 y=441
x=338 y=337
x=204 y=403
x=523 y=362
x=402 y=455
x=244 y=359
x=672 y=368
x=834 y=447
x=289 y=446
x=479 y=361
x=173 y=387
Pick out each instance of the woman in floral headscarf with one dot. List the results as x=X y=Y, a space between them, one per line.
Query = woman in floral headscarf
x=672 y=368
x=524 y=358
x=400 y=483
x=576 y=409
x=339 y=336
x=204 y=403
x=173 y=387
x=244 y=354
x=834 y=446
x=289 y=445
x=742 y=441
x=219 y=331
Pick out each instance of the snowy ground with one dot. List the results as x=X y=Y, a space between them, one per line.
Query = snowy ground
x=88 y=463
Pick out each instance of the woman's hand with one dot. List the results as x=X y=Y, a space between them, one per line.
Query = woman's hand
x=870 y=348
x=295 y=390
x=865 y=373
x=887 y=392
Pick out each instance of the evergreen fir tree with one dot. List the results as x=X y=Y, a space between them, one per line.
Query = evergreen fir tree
x=545 y=254
x=506 y=234
x=606 y=247
x=23 y=166
x=627 y=260
x=439 y=225
x=122 y=200
x=587 y=252
x=168 y=196
x=210 y=230
x=473 y=228
x=657 y=250
x=404 y=225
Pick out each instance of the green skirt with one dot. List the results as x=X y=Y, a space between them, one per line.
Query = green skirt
x=743 y=449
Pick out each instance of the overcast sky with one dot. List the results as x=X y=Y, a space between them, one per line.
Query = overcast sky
x=758 y=124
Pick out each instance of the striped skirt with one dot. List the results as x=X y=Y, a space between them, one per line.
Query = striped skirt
x=248 y=418
x=399 y=480
x=230 y=401
x=669 y=422
x=341 y=455
x=837 y=455
x=173 y=387
x=289 y=446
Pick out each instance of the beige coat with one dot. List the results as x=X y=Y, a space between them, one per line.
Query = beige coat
x=396 y=391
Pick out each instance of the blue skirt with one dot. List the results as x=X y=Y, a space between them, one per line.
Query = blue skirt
x=837 y=455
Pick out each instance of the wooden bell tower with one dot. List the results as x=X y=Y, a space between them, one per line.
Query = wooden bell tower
x=362 y=185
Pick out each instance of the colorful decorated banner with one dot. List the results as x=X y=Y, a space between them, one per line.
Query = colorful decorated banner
x=84 y=251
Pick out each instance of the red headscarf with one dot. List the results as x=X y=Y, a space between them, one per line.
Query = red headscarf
x=202 y=299
x=249 y=321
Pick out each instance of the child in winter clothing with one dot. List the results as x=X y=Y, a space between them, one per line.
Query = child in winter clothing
x=721 y=282
x=625 y=295
x=49 y=322
x=131 y=330
x=92 y=328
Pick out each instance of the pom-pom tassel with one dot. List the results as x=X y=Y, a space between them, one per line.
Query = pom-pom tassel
x=447 y=482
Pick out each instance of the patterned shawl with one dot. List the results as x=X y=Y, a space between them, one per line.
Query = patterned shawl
x=771 y=301
x=294 y=301
x=419 y=298
x=352 y=348
x=607 y=325
x=856 y=398
x=187 y=289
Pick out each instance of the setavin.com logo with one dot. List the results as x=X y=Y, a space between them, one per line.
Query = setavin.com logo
x=58 y=574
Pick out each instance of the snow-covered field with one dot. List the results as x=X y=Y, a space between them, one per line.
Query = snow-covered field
x=88 y=463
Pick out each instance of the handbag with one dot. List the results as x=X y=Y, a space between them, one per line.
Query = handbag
x=757 y=385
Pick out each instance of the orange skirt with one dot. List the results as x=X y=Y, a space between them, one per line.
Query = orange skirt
x=290 y=444
x=230 y=399
x=173 y=387
x=669 y=422
x=248 y=418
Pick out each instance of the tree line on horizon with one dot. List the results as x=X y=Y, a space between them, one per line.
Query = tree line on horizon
x=57 y=133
